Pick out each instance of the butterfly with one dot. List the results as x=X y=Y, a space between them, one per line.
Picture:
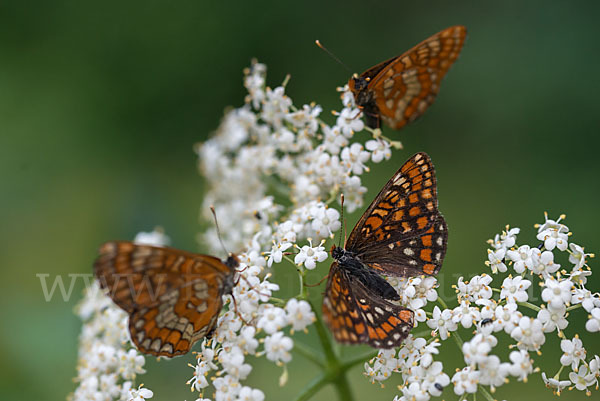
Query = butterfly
x=173 y=297
x=401 y=234
x=400 y=89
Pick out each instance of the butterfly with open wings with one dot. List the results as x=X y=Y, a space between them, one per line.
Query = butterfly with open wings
x=173 y=297
x=400 y=89
x=401 y=234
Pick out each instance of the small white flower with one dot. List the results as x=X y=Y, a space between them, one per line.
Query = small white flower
x=543 y=263
x=156 y=237
x=496 y=260
x=349 y=121
x=577 y=256
x=416 y=291
x=554 y=238
x=551 y=224
x=334 y=140
x=250 y=394
x=309 y=255
x=476 y=350
x=140 y=394
x=582 y=379
x=505 y=240
x=555 y=384
x=275 y=106
x=529 y=334
x=131 y=364
x=442 y=322
x=515 y=289
x=246 y=340
x=276 y=253
x=232 y=360
x=299 y=314
x=383 y=365
x=507 y=317
x=557 y=293
x=226 y=388
x=522 y=258
x=492 y=372
x=585 y=297
x=465 y=381
x=573 y=353
x=465 y=314
x=355 y=158
x=553 y=318
x=522 y=365
x=277 y=348
x=271 y=318
x=380 y=149
x=326 y=222
x=415 y=392
x=593 y=324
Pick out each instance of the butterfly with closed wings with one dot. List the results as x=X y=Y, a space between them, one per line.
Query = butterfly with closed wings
x=173 y=297
x=399 y=90
x=401 y=234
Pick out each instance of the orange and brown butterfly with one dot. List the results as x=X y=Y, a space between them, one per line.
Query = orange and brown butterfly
x=399 y=90
x=173 y=297
x=401 y=234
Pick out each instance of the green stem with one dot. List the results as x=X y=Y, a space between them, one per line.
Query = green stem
x=530 y=306
x=573 y=307
x=458 y=340
x=324 y=338
x=335 y=372
x=358 y=359
x=486 y=393
x=308 y=354
x=313 y=387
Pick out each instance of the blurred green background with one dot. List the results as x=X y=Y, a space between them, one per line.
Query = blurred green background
x=101 y=102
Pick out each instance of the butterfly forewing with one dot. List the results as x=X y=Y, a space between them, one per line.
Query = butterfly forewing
x=402 y=233
x=399 y=90
x=173 y=297
x=356 y=315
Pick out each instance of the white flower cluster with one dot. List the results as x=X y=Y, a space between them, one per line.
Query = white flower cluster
x=108 y=363
x=264 y=155
x=509 y=309
x=268 y=149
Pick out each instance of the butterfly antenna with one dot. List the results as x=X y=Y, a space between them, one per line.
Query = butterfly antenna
x=343 y=225
x=212 y=209
x=333 y=56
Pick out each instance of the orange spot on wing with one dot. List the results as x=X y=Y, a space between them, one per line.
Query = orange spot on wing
x=422 y=222
x=374 y=222
x=414 y=211
x=371 y=332
x=429 y=268
x=426 y=255
x=360 y=328
x=406 y=316
x=387 y=327
x=413 y=198
x=426 y=240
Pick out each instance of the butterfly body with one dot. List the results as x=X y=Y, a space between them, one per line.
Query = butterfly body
x=173 y=297
x=401 y=234
x=400 y=89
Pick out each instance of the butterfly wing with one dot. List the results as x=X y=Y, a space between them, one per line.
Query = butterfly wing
x=173 y=297
x=404 y=87
x=356 y=315
x=402 y=233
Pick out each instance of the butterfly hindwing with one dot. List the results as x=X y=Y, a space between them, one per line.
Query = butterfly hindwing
x=356 y=314
x=173 y=297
